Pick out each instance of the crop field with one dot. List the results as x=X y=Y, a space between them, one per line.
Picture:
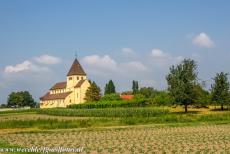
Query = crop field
x=120 y=130
x=140 y=139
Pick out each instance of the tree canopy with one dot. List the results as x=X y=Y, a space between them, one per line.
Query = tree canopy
x=135 y=87
x=181 y=82
x=20 y=99
x=93 y=93
x=110 y=88
x=220 y=89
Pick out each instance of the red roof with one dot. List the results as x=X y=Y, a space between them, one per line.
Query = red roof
x=59 y=85
x=126 y=97
x=76 y=69
x=79 y=83
x=49 y=96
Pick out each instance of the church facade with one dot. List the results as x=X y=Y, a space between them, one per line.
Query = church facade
x=70 y=92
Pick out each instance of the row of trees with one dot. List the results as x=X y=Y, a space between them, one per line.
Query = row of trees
x=183 y=88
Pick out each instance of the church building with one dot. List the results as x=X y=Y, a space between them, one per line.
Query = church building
x=70 y=92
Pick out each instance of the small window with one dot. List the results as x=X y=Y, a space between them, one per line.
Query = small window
x=82 y=77
x=70 y=78
x=77 y=78
x=70 y=100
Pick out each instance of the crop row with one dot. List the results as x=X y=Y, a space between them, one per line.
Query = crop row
x=108 y=112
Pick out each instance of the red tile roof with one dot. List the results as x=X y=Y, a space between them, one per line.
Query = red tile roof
x=79 y=83
x=49 y=96
x=76 y=69
x=126 y=97
x=59 y=85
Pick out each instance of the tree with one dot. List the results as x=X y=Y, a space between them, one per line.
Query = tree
x=148 y=92
x=20 y=99
x=3 y=106
x=110 y=88
x=181 y=81
x=202 y=96
x=93 y=93
x=135 y=87
x=220 y=89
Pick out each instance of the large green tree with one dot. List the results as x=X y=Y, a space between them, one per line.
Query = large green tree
x=135 y=87
x=181 y=82
x=110 y=88
x=220 y=89
x=20 y=99
x=93 y=93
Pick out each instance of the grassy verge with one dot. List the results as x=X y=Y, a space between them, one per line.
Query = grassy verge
x=166 y=119
x=18 y=111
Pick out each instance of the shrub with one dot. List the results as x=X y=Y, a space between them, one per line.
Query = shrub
x=111 y=97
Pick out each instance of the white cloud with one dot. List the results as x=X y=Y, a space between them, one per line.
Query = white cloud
x=26 y=65
x=164 y=58
x=47 y=59
x=33 y=65
x=106 y=65
x=101 y=62
x=203 y=40
x=133 y=66
x=127 y=50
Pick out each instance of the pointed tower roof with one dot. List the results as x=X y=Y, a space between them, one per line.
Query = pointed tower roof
x=76 y=69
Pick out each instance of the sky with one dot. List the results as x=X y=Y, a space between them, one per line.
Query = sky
x=122 y=40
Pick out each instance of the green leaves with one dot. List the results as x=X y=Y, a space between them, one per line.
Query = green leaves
x=110 y=88
x=220 y=89
x=93 y=93
x=20 y=99
x=181 y=81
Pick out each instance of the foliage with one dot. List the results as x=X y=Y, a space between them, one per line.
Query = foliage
x=127 y=93
x=110 y=88
x=108 y=112
x=111 y=97
x=162 y=98
x=181 y=81
x=3 y=106
x=220 y=89
x=20 y=99
x=148 y=92
x=138 y=97
x=135 y=87
x=110 y=104
x=203 y=97
x=93 y=93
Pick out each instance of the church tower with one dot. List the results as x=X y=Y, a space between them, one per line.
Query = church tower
x=70 y=92
x=75 y=74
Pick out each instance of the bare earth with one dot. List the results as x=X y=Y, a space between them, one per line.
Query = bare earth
x=135 y=139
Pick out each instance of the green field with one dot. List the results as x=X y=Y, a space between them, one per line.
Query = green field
x=118 y=130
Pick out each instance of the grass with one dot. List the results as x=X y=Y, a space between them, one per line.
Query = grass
x=73 y=118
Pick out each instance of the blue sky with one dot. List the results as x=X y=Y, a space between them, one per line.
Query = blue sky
x=119 y=40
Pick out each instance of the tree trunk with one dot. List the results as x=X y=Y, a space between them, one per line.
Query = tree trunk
x=222 y=107
x=186 y=108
